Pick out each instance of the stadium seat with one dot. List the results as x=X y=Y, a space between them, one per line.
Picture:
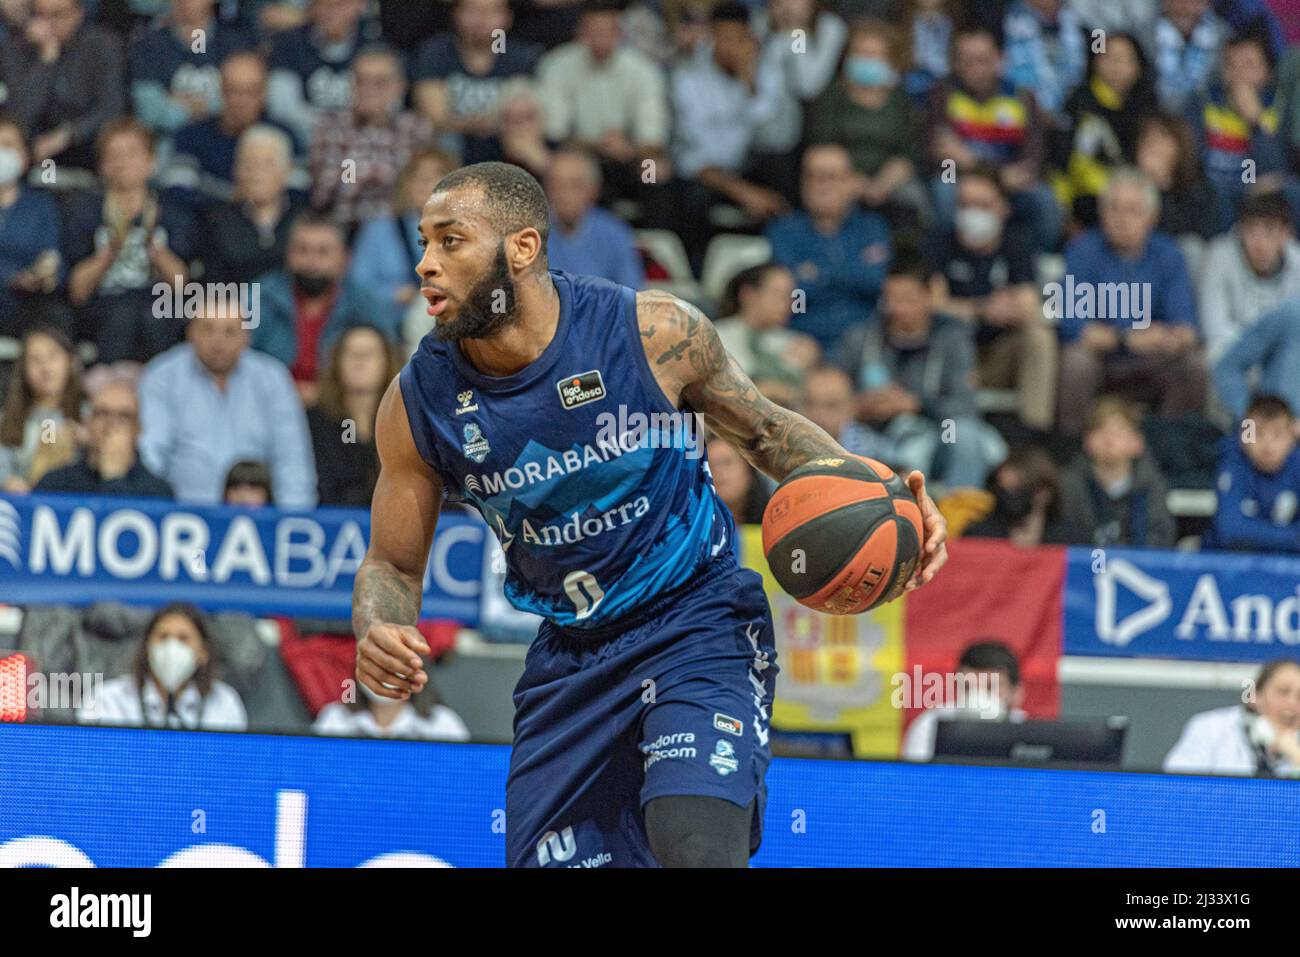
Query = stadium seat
x=664 y=247
x=727 y=255
x=1191 y=502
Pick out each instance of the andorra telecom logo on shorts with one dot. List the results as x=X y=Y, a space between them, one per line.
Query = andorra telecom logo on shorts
x=476 y=447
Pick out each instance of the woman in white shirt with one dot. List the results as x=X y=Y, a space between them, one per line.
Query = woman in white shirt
x=173 y=682
x=373 y=716
x=1257 y=737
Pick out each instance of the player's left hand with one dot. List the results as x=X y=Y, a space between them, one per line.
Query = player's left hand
x=934 y=553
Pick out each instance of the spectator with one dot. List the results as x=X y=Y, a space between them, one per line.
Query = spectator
x=110 y=463
x=65 y=81
x=866 y=111
x=719 y=99
x=1188 y=43
x=388 y=247
x=174 y=80
x=357 y=153
x=837 y=251
x=1237 y=122
x=204 y=157
x=173 y=682
x=736 y=483
x=804 y=44
x=1249 y=271
x=755 y=328
x=361 y=365
x=914 y=368
x=1255 y=738
x=584 y=238
x=211 y=402
x=248 y=485
x=121 y=242
x=976 y=115
x=1027 y=504
x=523 y=134
x=311 y=65
x=931 y=32
x=39 y=424
x=245 y=236
x=826 y=400
x=462 y=78
x=1166 y=151
x=1045 y=50
x=608 y=97
x=1100 y=126
x=30 y=265
x=991 y=671
x=1130 y=320
x=1115 y=489
x=984 y=273
x=308 y=302
x=373 y=716
x=1259 y=483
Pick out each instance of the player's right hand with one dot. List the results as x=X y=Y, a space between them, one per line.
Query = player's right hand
x=388 y=660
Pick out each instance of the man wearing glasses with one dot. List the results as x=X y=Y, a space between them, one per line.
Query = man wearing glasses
x=109 y=464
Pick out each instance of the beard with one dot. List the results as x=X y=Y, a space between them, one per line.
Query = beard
x=490 y=307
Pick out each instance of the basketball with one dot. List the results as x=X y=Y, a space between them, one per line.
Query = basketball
x=843 y=535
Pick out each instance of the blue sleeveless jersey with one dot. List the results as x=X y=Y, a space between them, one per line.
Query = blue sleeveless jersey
x=595 y=485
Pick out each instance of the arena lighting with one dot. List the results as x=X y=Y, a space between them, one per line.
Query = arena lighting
x=13 y=688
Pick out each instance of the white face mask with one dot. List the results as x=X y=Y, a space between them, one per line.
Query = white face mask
x=11 y=166
x=172 y=662
x=977 y=226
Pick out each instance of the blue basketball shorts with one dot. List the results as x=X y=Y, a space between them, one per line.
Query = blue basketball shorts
x=674 y=701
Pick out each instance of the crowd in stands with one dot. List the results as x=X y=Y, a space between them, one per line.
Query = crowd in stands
x=1088 y=206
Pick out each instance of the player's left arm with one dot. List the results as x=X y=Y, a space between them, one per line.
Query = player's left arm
x=693 y=368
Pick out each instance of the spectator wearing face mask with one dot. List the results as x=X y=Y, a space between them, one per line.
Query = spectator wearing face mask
x=30 y=265
x=173 y=682
x=1256 y=738
x=992 y=672
x=984 y=274
x=305 y=305
x=1028 y=510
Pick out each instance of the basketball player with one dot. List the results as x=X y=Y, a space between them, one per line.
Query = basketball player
x=641 y=722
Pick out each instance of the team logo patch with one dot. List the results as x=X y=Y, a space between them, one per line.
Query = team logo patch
x=724 y=722
x=576 y=390
x=476 y=447
x=467 y=403
x=723 y=759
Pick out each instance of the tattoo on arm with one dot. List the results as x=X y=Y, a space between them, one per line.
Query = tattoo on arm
x=383 y=593
x=773 y=439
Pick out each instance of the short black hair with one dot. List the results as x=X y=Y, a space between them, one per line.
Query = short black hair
x=1266 y=405
x=615 y=7
x=249 y=472
x=513 y=199
x=1270 y=205
x=730 y=11
x=991 y=655
x=908 y=262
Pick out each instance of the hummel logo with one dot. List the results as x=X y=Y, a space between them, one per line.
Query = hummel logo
x=465 y=398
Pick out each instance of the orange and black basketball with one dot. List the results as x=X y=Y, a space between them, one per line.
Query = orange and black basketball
x=843 y=535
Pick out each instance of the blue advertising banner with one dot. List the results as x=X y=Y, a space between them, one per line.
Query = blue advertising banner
x=75 y=550
x=1206 y=606
x=113 y=797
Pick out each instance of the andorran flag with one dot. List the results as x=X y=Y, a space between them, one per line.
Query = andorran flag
x=859 y=674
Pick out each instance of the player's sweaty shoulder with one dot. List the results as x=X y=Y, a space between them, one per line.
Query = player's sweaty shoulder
x=679 y=340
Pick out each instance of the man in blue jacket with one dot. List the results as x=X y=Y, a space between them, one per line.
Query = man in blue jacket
x=1259 y=483
x=301 y=309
